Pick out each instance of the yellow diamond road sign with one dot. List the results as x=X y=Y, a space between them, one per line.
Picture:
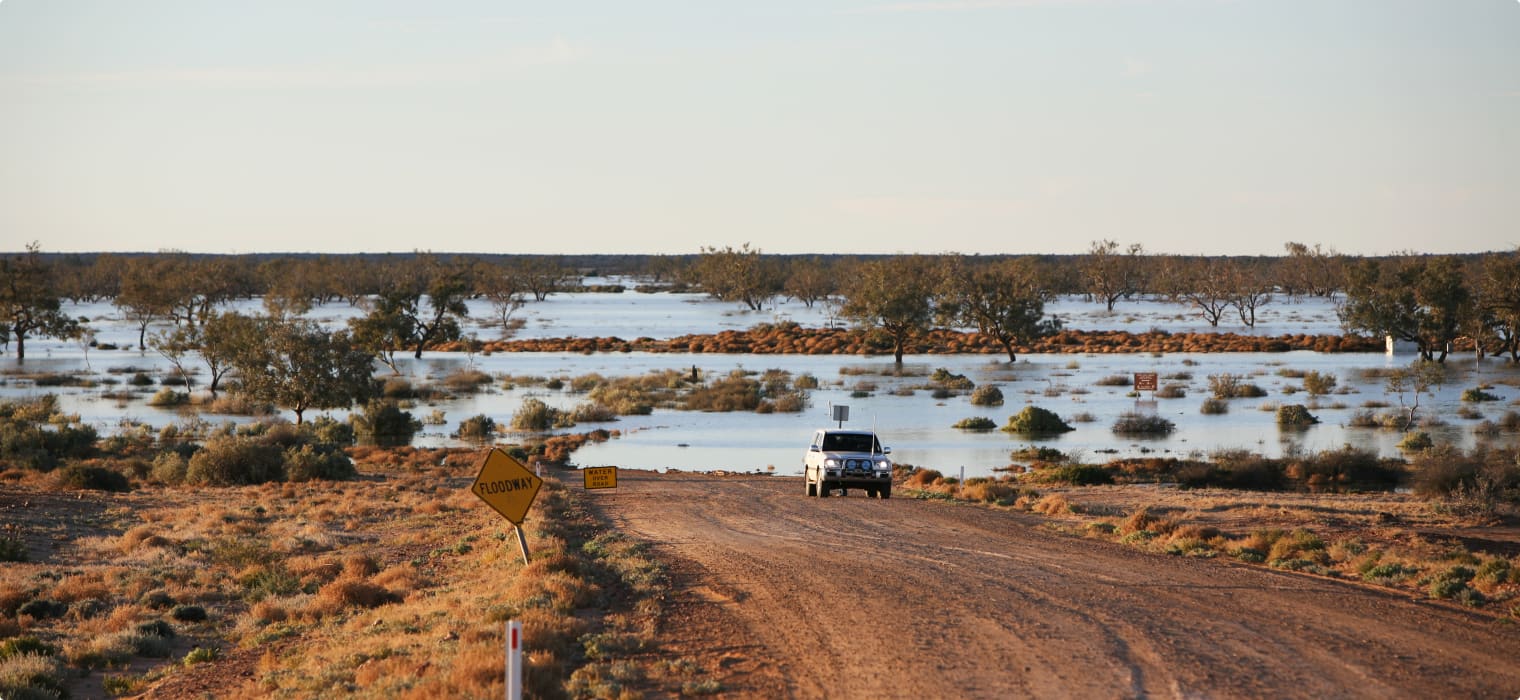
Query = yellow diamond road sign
x=506 y=485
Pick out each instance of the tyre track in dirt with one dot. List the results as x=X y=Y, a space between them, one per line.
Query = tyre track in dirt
x=857 y=598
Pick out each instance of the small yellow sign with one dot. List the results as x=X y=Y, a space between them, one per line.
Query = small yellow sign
x=600 y=477
x=506 y=485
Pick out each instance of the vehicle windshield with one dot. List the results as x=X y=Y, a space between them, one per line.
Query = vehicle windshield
x=847 y=442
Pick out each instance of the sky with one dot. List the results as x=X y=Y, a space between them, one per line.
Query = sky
x=1218 y=127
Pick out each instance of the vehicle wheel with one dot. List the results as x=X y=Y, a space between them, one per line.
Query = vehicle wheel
x=812 y=488
x=823 y=489
x=844 y=492
x=885 y=492
x=870 y=492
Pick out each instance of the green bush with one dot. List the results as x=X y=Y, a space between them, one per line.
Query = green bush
x=382 y=423
x=318 y=462
x=188 y=613
x=31 y=676
x=533 y=414
x=976 y=423
x=81 y=476
x=1295 y=415
x=1416 y=441
x=1131 y=423
x=170 y=467
x=1034 y=420
x=1318 y=384
x=480 y=428
x=1074 y=474
x=12 y=549
x=1229 y=386
x=167 y=397
x=228 y=460
x=987 y=395
x=1477 y=394
x=329 y=431
x=946 y=379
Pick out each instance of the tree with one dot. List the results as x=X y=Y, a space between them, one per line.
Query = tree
x=1250 y=290
x=1203 y=284
x=741 y=275
x=298 y=366
x=506 y=288
x=543 y=276
x=1110 y=274
x=29 y=300
x=222 y=337
x=145 y=295
x=422 y=305
x=894 y=295
x=1314 y=271
x=809 y=281
x=1499 y=300
x=1003 y=299
x=1418 y=299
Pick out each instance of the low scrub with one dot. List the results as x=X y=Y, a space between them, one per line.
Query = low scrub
x=987 y=395
x=1295 y=416
x=1034 y=420
x=976 y=423
x=1131 y=423
x=1230 y=386
x=382 y=423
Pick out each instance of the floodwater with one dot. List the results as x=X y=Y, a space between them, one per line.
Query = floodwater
x=896 y=403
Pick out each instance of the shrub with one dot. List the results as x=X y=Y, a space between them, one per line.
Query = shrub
x=789 y=402
x=987 y=395
x=1034 y=420
x=228 y=460
x=1172 y=391
x=976 y=423
x=1131 y=423
x=466 y=381
x=1214 y=407
x=1229 y=386
x=313 y=462
x=1074 y=474
x=946 y=379
x=533 y=414
x=1295 y=415
x=188 y=613
x=167 y=397
x=12 y=549
x=169 y=467
x=1477 y=394
x=84 y=477
x=478 y=428
x=383 y=424
x=592 y=413
x=1416 y=441
x=1318 y=384
x=1114 y=380
x=329 y=431
x=31 y=675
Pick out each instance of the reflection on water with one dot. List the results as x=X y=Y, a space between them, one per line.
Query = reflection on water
x=913 y=423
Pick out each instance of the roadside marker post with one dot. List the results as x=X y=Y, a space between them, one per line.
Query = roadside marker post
x=514 y=660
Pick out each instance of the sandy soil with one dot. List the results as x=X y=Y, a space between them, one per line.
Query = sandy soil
x=781 y=595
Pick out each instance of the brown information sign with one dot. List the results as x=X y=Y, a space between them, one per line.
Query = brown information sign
x=1145 y=381
x=600 y=477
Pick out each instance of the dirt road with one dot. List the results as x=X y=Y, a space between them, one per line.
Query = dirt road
x=789 y=596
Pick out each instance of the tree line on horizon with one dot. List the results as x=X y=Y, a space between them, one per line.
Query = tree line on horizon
x=416 y=300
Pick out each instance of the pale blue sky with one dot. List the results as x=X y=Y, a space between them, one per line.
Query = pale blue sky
x=849 y=126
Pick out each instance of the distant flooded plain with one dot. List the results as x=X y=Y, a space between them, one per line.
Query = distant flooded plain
x=895 y=401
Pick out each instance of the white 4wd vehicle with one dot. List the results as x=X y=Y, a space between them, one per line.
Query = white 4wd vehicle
x=845 y=459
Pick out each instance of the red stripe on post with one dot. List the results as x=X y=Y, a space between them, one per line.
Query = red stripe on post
x=514 y=638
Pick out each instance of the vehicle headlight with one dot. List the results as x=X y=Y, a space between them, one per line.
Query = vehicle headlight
x=884 y=464
x=830 y=463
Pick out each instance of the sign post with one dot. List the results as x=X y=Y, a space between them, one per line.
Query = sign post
x=509 y=488
x=1145 y=381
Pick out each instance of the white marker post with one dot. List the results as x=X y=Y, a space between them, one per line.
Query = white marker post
x=514 y=660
